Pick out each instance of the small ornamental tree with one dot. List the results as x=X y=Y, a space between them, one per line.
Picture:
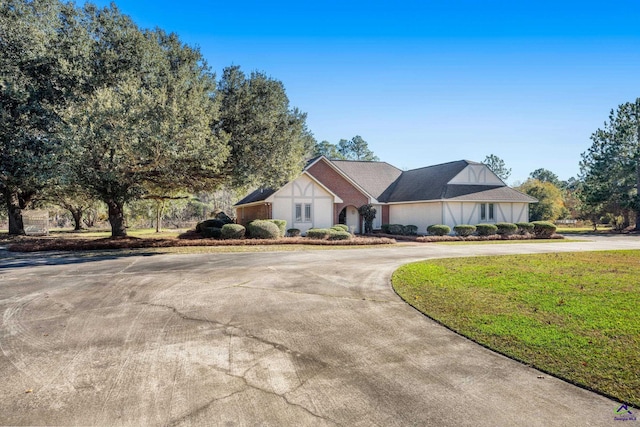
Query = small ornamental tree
x=368 y=213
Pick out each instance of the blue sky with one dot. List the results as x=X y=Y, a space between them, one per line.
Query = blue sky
x=427 y=82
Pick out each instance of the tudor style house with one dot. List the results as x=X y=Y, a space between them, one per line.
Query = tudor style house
x=329 y=192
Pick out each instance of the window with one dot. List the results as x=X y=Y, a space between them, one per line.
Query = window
x=484 y=209
x=299 y=212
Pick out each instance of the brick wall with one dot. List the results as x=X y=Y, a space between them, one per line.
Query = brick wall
x=331 y=179
x=385 y=214
x=249 y=213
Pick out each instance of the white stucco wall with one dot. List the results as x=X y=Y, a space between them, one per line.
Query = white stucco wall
x=421 y=215
x=478 y=175
x=469 y=213
x=303 y=190
x=454 y=213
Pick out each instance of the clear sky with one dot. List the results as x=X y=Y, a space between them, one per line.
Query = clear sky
x=427 y=82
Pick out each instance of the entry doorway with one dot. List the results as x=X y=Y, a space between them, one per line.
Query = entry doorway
x=351 y=218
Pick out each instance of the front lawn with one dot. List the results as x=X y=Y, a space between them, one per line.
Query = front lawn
x=573 y=315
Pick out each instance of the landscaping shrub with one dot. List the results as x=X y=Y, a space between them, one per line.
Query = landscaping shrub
x=524 y=227
x=210 y=223
x=318 y=233
x=293 y=232
x=385 y=228
x=411 y=230
x=339 y=235
x=438 y=229
x=342 y=227
x=281 y=224
x=506 y=228
x=543 y=228
x=396 y=229
x=263 y=229
x=464 y=230
x=486 y=229
x=232 y=231
x=211 y=232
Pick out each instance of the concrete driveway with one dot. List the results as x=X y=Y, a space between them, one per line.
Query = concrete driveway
x=279 y=338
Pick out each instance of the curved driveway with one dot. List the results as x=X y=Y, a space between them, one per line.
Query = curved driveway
x=276 y=338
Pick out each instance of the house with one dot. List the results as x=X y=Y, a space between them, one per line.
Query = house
x=329 y=192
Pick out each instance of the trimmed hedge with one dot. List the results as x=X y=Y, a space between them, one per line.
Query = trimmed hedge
x=210 y=223
x=339 y=235
x=411 y=230
x=486 y=229
x=396 y=229
x=281 y=224
x=438 y=229
x=263 y=229
x=293 y=232
x=506 y=228
x=232 y=231
x=385 y=228
x=211 y=232
x=342 y=227
x=543 y=228
x=524 y=227
x=464 y=230
x=318 y=233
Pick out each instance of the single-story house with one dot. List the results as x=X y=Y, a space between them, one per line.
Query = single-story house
x=329 y=192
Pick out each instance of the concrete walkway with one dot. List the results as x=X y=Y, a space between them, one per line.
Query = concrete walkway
x=275 y=338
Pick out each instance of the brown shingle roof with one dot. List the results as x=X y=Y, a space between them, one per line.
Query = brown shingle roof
x=427 y=183
x=389 y=184
x=485 y=193
x=373 y=177
x=256 y=196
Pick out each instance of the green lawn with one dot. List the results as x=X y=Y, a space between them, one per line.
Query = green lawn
x=573 y=315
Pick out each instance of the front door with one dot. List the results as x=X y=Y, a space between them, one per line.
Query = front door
x=352 y=219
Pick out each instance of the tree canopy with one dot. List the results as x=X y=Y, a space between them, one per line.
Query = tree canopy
x=550 y=204
x=497 y=166
x=355 y=148
x=37 y=74
x=610 y=168
x=545 y=175
x=134 y=113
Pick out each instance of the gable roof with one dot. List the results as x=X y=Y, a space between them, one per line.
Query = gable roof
x=388 y=184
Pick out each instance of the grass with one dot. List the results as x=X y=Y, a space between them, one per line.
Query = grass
x=573 y=315
x=147 y=233
x=602 y=229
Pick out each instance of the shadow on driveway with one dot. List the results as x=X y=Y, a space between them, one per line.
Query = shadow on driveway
x=33 y=259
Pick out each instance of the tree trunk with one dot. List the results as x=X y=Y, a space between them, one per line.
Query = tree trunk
x=116 y=218
x=14 y=207
x=77 y=218
x=159 y=212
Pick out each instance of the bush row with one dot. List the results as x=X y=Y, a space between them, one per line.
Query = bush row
x=267 y=229
x=337 y=232
x=537 y=228
x=399 y=229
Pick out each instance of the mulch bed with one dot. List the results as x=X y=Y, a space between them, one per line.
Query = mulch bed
x=193 y=239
